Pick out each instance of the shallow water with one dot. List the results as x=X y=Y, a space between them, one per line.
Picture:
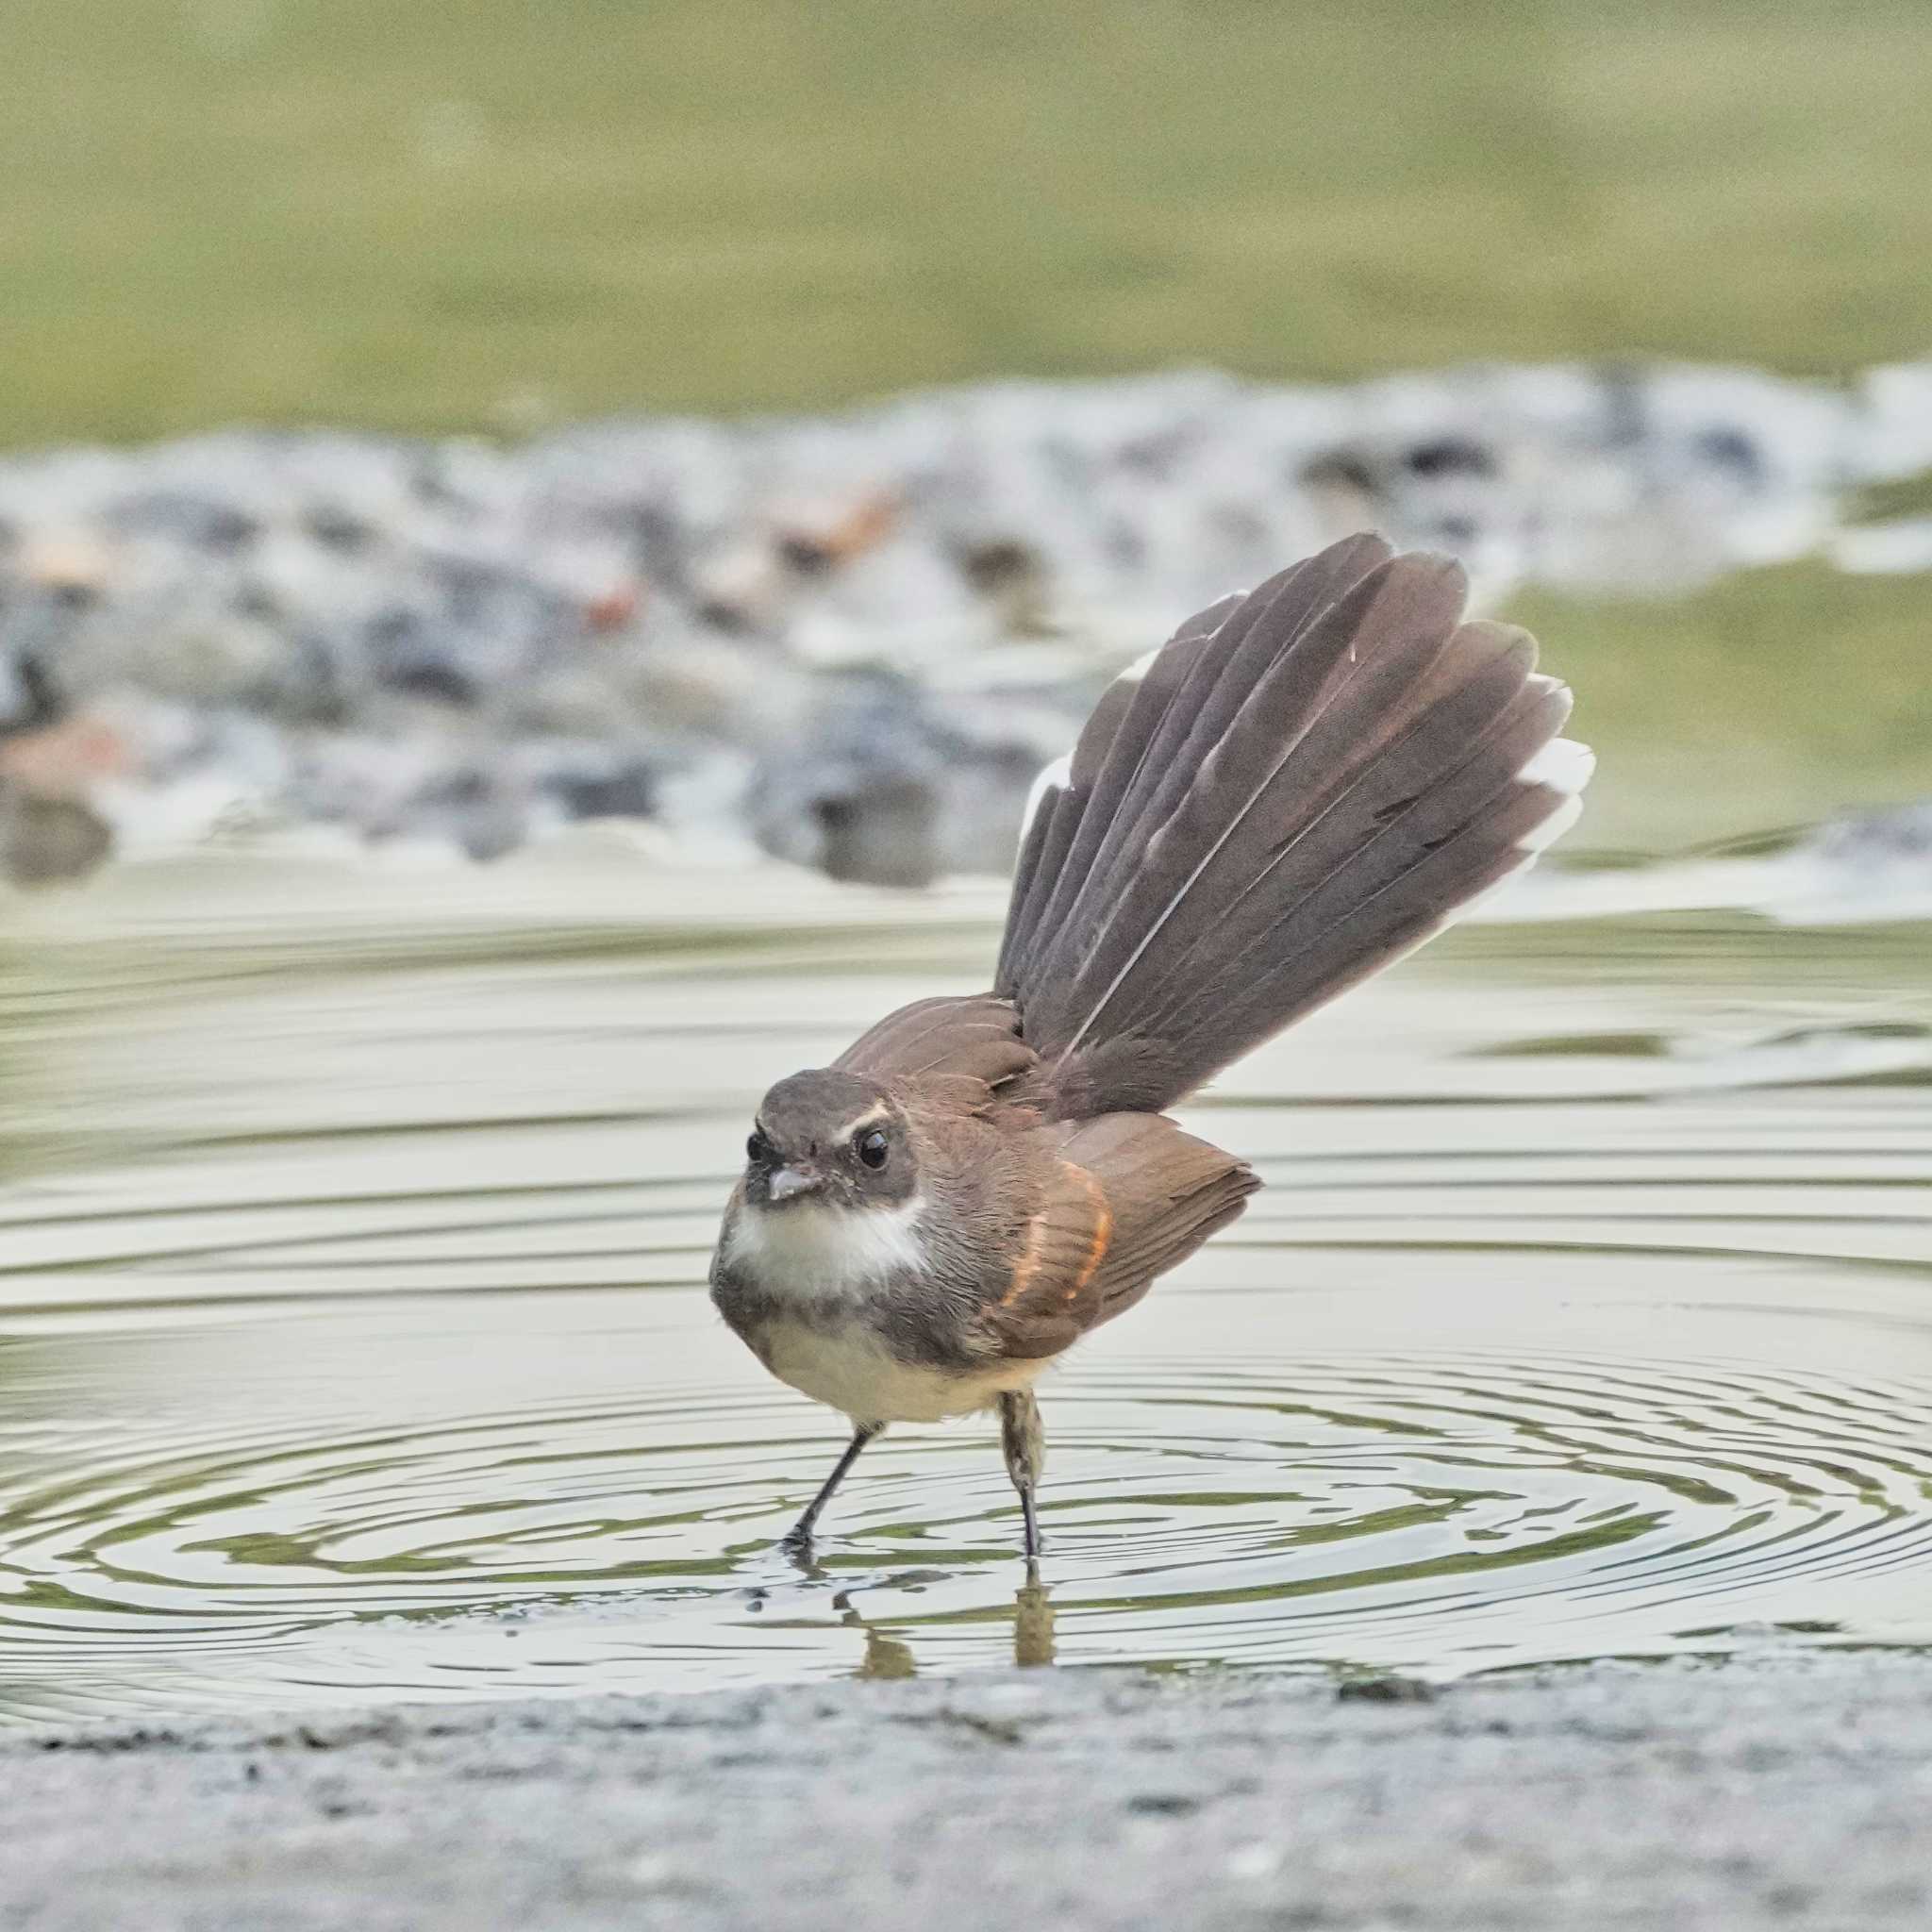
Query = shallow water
x=353 y=1342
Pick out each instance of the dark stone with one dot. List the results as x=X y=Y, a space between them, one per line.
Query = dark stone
x=624 y=791
x=29 y=697
x=201 y=523
x=804 y=557
x=258 y=601
x=1343 y=469
x=1388 y=1690
x=337 y=530
x=720 y=613
x=44 y=841
x=409 y=653
x=1451 y=455
x=1731 y=449
x=880 y=833
x=998 y=565
x=72 y=596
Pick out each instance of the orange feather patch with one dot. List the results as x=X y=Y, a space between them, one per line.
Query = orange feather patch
x=1103 y=1228
x=1029 y=1260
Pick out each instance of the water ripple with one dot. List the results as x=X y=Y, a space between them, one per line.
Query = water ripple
x=352 y=1340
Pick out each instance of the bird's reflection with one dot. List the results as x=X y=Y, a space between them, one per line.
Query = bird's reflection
x=888 y=1655
x=1032 y=1624
x=888 y=1652
x=885 y=1657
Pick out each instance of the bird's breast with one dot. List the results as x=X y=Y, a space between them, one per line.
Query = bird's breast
x=851 y=1366
x=856 y=1309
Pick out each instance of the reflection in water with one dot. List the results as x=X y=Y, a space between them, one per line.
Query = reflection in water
x=1032 y=1625
x=885 y=1657
x=352 y=1339
x=888 y=1655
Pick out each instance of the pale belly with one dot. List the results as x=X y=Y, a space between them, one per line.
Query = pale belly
x=848 y=1368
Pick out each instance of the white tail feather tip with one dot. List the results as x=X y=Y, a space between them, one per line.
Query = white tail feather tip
x=1056 y=777
x=1546 y=835
x=1562 y=764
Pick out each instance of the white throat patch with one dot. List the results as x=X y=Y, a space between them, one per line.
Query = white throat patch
x=819 y=1252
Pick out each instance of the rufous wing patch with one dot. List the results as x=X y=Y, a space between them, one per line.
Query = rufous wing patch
x=1028 y=1266
x=1052 y=1293
x=1103 y=1230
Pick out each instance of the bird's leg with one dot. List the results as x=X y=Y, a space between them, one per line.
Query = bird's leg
x=798 y=1537
x=1024 y=1442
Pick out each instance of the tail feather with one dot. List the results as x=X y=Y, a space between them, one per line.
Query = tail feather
x=1304 y=784
x=1399 y=887
x=1308 y=850
x=1390 y=923
x=1143 y=778
x=1303 y=730
x=1114 y=739
x=1131 y=750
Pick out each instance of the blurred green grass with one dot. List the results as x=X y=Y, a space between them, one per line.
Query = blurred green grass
x=479 y=214
x=462 y=214
x=1769 y=699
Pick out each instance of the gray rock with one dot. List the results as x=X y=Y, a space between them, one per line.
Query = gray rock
x=885 y=784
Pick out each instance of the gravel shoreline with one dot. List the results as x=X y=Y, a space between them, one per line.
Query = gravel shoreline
x=1792 y=1789
x=848 y=641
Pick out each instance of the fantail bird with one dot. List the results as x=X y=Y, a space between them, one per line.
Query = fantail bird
x=1301 y=784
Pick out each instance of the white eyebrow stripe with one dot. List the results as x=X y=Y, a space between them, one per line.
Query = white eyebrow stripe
x=878 y=1110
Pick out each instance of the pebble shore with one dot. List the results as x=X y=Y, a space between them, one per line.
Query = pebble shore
x=849 y=643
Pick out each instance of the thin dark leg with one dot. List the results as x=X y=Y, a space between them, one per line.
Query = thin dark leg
x=798 y=1537
x=1024 y=1442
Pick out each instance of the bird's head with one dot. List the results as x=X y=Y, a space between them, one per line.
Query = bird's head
x=835 y=1138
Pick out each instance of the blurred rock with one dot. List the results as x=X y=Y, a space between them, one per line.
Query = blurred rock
x=44 y=841
x=881 y=785
x=1902 y=831
x=63 y=760
x=849 y=641
x=49 y=826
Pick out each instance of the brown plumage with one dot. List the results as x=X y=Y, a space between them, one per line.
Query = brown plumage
x=1305 y=783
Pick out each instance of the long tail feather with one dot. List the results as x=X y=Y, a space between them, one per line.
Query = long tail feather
x=1303 y=785
x=1129 y=744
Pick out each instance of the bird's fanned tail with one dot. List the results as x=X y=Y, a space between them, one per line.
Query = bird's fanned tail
x=1304 y=784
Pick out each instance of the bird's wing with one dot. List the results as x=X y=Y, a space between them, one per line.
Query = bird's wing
x=976 y=1037
x=1129 y=1196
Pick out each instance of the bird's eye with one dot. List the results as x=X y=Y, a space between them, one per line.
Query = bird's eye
x=872 y=1149
x=757 y=1146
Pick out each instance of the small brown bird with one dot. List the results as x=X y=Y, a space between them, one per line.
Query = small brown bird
x=1303 y=785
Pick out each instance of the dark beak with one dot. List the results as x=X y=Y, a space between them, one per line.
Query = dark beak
x=787 y=1183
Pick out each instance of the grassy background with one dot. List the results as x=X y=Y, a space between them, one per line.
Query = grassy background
x=1767 y=700
x=454 y=212
x=478 y=213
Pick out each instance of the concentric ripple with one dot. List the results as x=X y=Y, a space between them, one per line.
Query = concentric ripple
x=586 y=1494
x=381 y=1367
